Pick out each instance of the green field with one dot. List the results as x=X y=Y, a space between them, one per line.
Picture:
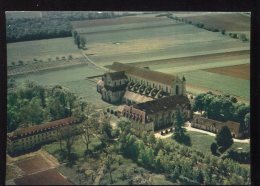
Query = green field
x=137 y=45
x=73 y=78
x=202 y=142
x=41 y=49
x=213 y=81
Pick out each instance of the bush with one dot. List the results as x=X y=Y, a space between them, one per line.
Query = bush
x=241 y=157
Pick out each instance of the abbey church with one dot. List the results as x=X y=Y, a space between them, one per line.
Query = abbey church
x=150 y=98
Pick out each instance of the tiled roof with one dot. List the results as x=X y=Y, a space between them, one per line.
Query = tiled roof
x=166 y=103
x=117 y=75
x=28 y=131
x=136 y=97
x=143 y=73
x=233 y=126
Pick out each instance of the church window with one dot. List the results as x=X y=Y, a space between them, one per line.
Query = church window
x=177 y=90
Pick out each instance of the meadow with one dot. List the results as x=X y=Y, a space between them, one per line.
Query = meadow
x=217 y=82
x=202 y=142
x=27 y=51
x=74 y=78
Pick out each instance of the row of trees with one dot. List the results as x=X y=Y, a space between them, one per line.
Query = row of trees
x=179 y=162
x=240 y=36
x=223 y=108
x=53 y=24
x=80 y=41
x=32 y=104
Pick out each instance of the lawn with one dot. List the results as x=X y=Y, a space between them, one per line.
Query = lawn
x=212 y=81
x=41 y=50
x=202 y=142
x=73 y=78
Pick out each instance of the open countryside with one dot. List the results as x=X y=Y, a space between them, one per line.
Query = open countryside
x=59 y=79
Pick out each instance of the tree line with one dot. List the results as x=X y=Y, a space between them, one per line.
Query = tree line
x=32 y=104
x=223 y=108
x=178 y=162
x=53 y=24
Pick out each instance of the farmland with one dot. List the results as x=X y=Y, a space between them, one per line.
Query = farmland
x=227 y=21
x=41 y=50
x=223 y=83
x=138 y=41
x=240 y=71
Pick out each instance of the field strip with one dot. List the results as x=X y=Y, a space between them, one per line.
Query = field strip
x=193 y=58
x=188 y=68
x=148 y=57
x=83 y=31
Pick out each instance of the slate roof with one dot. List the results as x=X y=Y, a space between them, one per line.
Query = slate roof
x=29 y=131
x=117 y=75
x=166 y=103
x=143 y=73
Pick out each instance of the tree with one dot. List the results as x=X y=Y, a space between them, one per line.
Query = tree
x=224 y=138
x=88 y=131
x=214 y=148
x=69 y=136
x=179 y=132
x=82 y=42
x=242 y=37
x=109 y=161
x=179 y=122
x=21 y=62
x=247 y=122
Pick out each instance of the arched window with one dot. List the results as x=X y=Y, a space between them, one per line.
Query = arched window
x=177 y=89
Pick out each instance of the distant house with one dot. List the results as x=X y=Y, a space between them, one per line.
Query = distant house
x=214 y=126
x=157 y=114
x=29 y=137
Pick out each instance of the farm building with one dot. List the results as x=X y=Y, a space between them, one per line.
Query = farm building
x=157 y=114
x=26 y=138
x=215 y=126
x=132 y=85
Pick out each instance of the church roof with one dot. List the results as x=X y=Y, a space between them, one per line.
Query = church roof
x=143 y=73
x=166 y=103
x=117 y=75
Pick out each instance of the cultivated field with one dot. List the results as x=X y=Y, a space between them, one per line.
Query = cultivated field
x=152 y=40
x=227 y=21
x=239 y=71
x=27 y=51
x=217 y=82
x=34 y=164
x=48 y=177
